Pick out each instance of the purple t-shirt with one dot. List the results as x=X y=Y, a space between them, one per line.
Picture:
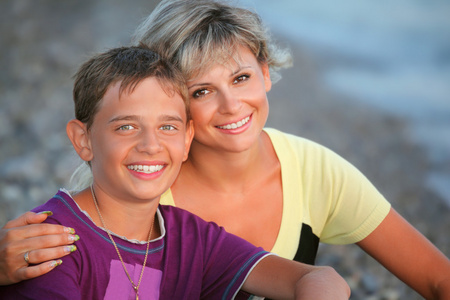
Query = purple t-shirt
x=193 y=259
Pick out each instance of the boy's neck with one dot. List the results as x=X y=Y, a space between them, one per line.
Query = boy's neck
x=130 y=220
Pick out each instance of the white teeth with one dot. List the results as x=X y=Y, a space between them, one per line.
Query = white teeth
x=145 y=168
x=235 y=125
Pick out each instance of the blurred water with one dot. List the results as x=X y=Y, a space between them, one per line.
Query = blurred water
x=393 y=55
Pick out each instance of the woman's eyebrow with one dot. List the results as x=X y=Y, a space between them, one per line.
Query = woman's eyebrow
x=198 y=84
x=238 y=70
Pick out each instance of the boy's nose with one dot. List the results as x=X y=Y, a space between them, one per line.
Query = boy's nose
x=149 y=142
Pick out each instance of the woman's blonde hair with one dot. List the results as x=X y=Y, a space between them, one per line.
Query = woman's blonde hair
x=196 y=34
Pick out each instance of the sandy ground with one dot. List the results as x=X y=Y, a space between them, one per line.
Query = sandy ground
x=43 y=42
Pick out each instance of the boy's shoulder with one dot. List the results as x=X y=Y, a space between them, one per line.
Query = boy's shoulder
x=60 y=201
x=173 y=214
x=178 y=222
x=62 y=206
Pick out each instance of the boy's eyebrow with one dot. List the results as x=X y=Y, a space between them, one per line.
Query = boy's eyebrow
x=171 y=118
x=164 y=117
x=123 y=118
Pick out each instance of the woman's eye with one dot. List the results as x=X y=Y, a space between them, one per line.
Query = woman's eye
x=241 y=78
x=168 y=127
x=126 y=127
x=200 y=93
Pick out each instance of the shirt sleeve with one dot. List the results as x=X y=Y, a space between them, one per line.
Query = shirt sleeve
x=57 y=284
x=60 y=283
x=353 y=206
x=326 y=192
x=228 y=261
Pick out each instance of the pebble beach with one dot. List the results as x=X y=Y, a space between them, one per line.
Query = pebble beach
x=42 y=44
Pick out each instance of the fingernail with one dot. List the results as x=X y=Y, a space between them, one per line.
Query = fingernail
x=55 y=263
x=69 y=230
x=47 y=212
x=74 y=238
x=70 y=249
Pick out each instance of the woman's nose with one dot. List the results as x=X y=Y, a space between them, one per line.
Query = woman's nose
x=229 y=103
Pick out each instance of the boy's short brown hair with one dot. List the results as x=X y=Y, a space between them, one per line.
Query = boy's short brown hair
x=129 y=65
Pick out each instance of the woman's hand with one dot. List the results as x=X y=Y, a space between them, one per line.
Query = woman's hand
x=43 y=242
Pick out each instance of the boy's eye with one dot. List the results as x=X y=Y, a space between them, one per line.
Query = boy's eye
x=241 y=78
x=125 y=127
x=167 y=127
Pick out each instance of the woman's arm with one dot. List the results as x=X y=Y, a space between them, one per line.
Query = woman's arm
x=406 y=253
x=278 y=278
x=43 y=242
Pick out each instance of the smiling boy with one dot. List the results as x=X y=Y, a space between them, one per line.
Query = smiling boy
x=132 y=128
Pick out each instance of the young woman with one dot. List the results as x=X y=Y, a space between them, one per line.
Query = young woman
x=278 y=191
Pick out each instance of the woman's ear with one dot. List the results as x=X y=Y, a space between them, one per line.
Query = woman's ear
x=78 y=135
x=188 y=138
x=266 y=75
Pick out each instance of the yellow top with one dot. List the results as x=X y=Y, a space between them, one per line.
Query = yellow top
x=322 y=190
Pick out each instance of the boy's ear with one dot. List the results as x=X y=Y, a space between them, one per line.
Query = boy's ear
x=188 y=139
x=78 y=135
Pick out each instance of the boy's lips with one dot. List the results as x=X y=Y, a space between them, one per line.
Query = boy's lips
x=147 y=169
x=235 y=125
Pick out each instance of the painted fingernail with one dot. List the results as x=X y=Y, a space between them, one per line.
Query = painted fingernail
x=74 y=238
x=69 y=230
x=47 y=212
x=55 y=263
x=70 y=249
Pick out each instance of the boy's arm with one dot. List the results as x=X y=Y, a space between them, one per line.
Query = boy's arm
x=61 y=283
x=44 y=242
x=279 y=278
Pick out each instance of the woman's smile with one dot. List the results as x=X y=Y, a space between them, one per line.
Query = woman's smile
x=235 y=125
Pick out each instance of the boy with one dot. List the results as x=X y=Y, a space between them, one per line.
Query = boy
x=133 y=130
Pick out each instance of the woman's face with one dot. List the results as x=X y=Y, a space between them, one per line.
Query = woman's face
x=229 y=104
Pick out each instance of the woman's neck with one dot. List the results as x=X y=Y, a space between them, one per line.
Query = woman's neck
x=225 y=170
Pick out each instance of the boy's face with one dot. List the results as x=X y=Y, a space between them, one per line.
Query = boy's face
x=138 y=141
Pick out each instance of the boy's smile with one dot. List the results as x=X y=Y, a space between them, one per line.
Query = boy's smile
x=138 y=141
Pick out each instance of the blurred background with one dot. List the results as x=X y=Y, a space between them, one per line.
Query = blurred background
x=371 y=81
